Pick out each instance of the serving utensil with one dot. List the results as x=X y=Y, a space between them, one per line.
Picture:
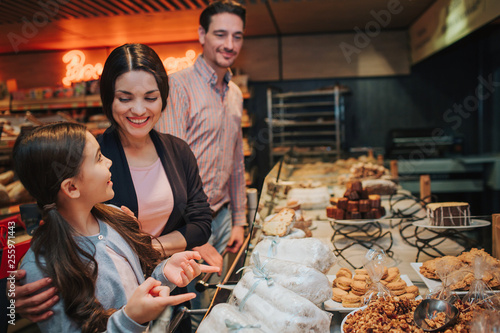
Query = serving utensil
x=429 y=308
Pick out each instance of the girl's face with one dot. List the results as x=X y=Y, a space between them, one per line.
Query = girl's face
x=94 y=179
x=137 y=103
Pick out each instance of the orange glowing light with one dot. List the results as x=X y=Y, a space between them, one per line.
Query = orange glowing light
x=77 y=70
x=173 y=64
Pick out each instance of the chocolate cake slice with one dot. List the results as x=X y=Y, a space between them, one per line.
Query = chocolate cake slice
x=448 y=213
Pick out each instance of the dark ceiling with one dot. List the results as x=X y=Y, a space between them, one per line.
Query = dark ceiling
x=65 y=24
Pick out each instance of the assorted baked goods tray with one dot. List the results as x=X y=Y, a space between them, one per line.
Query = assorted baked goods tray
x=435 y=284
x=425 y=223
x=332 y=305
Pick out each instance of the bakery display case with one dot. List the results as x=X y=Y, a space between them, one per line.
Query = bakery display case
x=277 y=243
x=307 y=122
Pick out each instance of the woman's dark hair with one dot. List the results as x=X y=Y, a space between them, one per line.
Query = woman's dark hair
x=127 y=58
x=43 y=159
x=219 y=7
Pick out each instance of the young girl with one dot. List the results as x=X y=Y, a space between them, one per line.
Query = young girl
x=94 y=253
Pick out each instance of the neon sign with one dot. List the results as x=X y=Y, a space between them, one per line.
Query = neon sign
x=77 y=70
x=173 y=64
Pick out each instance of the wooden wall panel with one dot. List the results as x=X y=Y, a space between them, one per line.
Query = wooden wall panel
x=321 y=56
x=259 y=59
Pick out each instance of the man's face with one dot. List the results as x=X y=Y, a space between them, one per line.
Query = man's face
x=223 y=40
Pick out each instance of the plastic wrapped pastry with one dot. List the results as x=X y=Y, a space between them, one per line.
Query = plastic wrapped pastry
x=226 y=318
x=278 y=309
x=303 y=280
x=307 y=251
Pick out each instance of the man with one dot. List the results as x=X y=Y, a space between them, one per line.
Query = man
x=204 y=108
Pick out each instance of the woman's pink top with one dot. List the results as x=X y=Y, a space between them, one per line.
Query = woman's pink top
x=154 y=196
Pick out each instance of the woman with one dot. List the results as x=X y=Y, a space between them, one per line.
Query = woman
x=155 y=175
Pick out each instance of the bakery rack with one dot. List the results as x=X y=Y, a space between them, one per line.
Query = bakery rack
x=306 y=122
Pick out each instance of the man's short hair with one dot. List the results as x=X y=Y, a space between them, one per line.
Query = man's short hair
x=222 y=6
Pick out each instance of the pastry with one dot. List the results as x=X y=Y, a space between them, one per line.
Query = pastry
x=355 y=186
x=374 y=200
x=280 y=224
x=356 y=215
x=448 y=213
x=361 y=271
x=364 y=206
x=385 y=273
x=397 y=288
x=413 y=290
x=351 y=301
x=342 y=203
x=361 y=277
x=392 y=270
x=351 y=195
x=344 y=272
x=338 y=294
x=343 y=283
x=359 y=287
x=352 y=206
x=408 y=296
x=330 y=211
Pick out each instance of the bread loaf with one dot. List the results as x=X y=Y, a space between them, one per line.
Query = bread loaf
x=280 y=224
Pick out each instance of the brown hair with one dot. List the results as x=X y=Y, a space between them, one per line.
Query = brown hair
x=43 y=159
x=219 y=7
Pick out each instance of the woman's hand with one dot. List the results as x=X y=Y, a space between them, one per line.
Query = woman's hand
x=150 y=299
x=29 y=304
x=182 y=268
x=127 y=211
x=211 y=256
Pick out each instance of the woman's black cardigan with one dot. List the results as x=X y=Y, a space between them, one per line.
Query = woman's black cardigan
x=191 y=214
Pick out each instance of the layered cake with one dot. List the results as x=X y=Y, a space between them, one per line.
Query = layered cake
x=448 y=213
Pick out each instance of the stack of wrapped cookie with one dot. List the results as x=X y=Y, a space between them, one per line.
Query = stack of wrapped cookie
x=355 y=204
x=349 y=288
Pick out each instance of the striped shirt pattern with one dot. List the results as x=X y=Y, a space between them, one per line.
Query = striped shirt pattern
x=210 y=122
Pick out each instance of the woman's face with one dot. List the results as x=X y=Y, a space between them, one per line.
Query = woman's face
x=137 y=103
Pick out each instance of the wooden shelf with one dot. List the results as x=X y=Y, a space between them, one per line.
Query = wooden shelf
x=53 y=103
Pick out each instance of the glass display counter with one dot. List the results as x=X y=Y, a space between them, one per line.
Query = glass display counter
x=311 y=184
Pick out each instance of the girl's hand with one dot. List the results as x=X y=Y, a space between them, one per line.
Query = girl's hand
x=182 y=267
x=150 y=299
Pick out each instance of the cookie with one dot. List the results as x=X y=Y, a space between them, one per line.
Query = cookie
x=338 y=294
x=393 y=270
x=361 y=271
x=410 y=296
x=344 y=272
x=392 y=276
x=397 y=285
x=359 y=288
x=413 y=290
x=399 y=292
x=361 y=277
x=385 y=274
x=343 y=283
x=351 y=301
